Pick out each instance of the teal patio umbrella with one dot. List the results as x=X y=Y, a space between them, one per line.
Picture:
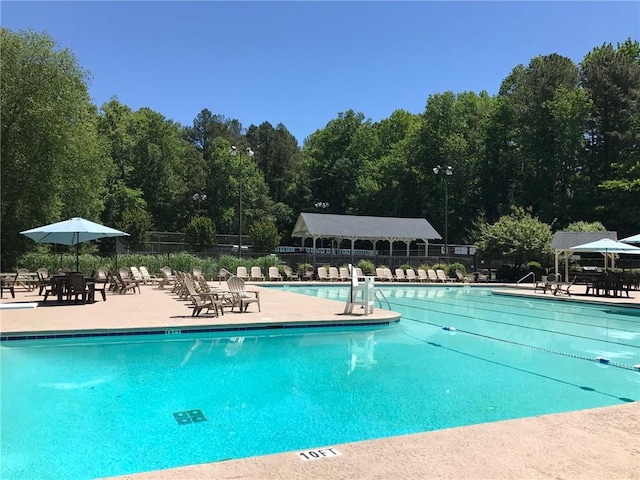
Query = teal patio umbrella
x=72 y=232
x=607 y=247
x=631 y=239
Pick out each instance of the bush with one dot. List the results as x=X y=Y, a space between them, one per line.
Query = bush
x=200 y=234
x=264 y=236
x=452 y=267
x=506 y=273
x=367 y=266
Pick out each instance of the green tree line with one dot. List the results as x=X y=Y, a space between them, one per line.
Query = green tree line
x=558 y=139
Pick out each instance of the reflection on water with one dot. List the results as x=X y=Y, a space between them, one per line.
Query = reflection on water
x=361 y=346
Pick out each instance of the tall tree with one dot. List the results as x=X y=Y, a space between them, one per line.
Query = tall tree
x=611 y=77
x=53 y=163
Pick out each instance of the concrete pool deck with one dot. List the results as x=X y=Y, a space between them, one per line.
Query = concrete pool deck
x=601 y=443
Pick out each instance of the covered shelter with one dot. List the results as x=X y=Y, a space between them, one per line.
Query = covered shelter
x=355 y=227
x=563 y=241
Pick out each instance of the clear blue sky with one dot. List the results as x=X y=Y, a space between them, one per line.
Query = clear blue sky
x=301 y=63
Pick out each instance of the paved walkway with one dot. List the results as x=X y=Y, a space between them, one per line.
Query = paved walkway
x=599 y=444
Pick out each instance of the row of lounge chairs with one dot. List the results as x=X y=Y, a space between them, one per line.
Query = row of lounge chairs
x=384 y=274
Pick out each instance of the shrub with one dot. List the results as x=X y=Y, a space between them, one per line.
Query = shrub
x=200 y=234
x=367 y=267
x=452 y=267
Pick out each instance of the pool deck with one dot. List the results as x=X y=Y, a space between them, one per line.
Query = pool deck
x=602 y=443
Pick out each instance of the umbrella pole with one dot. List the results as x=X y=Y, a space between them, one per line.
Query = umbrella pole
x=77 y=257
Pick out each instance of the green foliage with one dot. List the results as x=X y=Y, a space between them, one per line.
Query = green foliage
x=53 y=163
x=367 y=266
x=264 y=236
x=200 y=234
x=452 y=267
x=302 y=267
x=518 y=236
x=507 y=273
x=582 y=226
x=137 y=223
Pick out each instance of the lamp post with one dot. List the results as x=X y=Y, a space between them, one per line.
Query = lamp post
x=233 y=152
x=447 y=172
x=199 y=197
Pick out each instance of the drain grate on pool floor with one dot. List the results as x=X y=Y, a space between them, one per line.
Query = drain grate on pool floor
x=189 y=416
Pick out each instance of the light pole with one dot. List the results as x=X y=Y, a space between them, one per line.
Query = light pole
x=199 y=197
x=233 y=152
x=447 y=171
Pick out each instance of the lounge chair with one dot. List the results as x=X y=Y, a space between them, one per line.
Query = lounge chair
x=381 y=275
x=442 y=276
x=400 y=276
x=147 y=277
x=241 y=272
x=344 y=274
x=422 y=275
x=388 y=274
x=196 y=271
x=462 y=277
x=309 y=273
x=433 y=276
x=411 y=275
x=136 y=274
x=256 y=274
x=274 y=274
x=290 y=274
x=323 y=275
x=357 y=272
x=241 y=297
x=334 y=274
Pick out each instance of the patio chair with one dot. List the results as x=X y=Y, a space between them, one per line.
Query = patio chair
x=242 y=297
x=256 y=274
x=309 y=273
x=388 y=274
x=147 y=277
x=168 y=278
x=223 y=274
x=274 y=274
x=563 y=288
x=136 y=274
x=357 y=272
x=126 y=284
x=461 y=276
x=433 y=276
x=77 y=287
x=411 y=275
x=323 y=275
x=442 y=276
x=334 y=274
x=241 y=272
x=400 y=276
x=290 y=274
x=100 y=282
x=202 y=300
x=344 y=274
x=422 y=275
x=381 y=275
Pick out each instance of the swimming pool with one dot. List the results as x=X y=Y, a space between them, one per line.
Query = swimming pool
x=99 y=407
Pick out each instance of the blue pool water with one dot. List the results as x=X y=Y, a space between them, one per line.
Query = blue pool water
x=100 y=407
